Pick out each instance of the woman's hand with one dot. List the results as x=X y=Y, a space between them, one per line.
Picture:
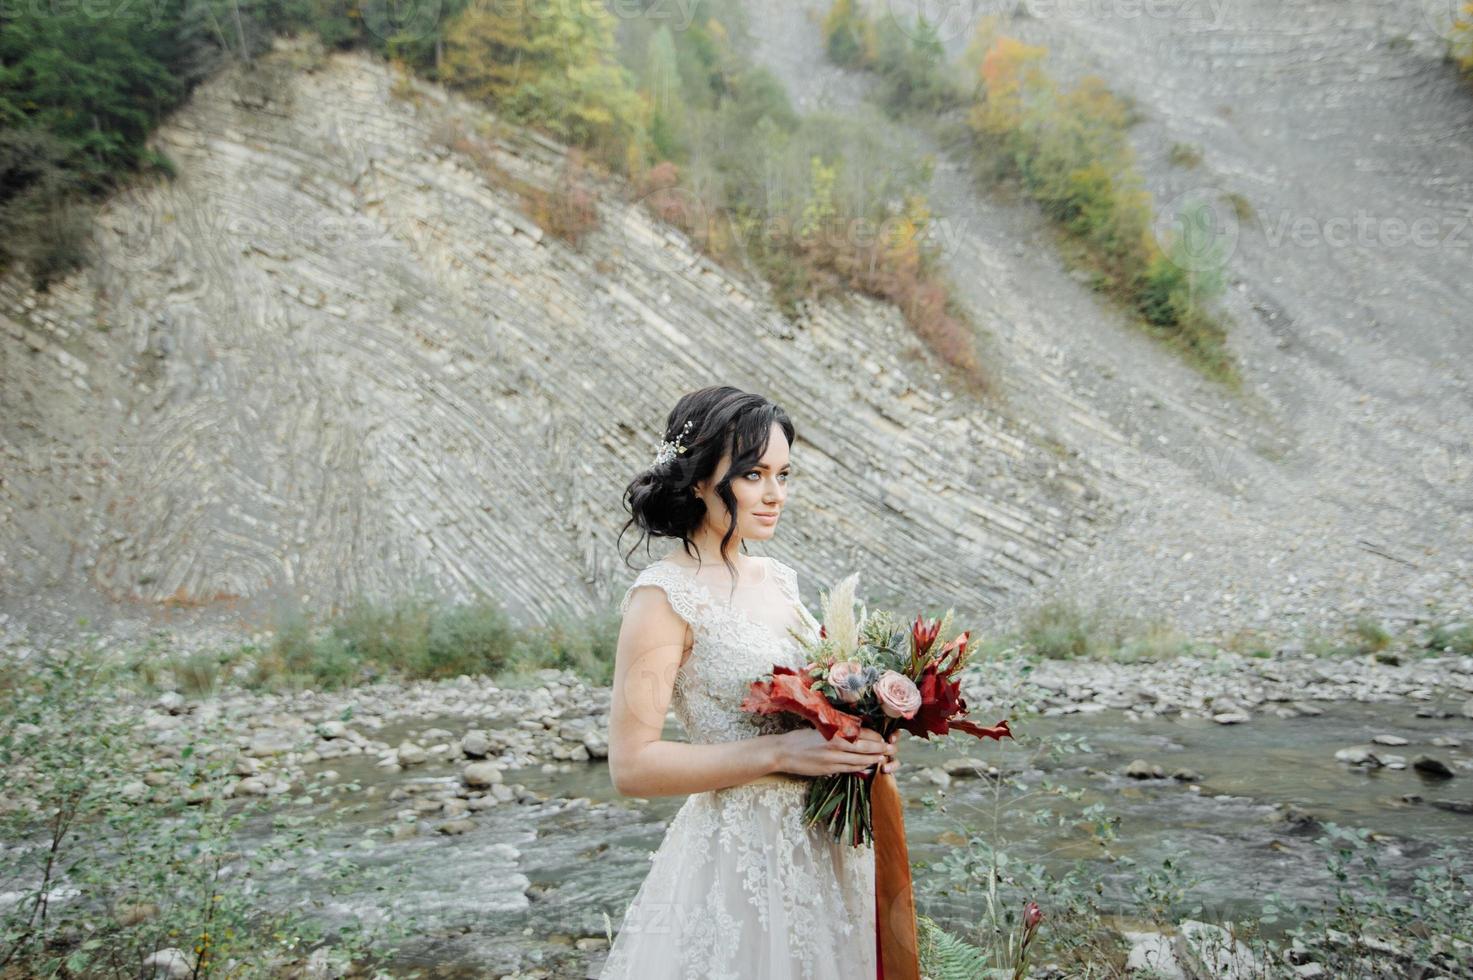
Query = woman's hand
x=894 y=762
x=805 y=752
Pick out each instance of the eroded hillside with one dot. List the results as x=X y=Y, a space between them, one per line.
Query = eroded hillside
x=333 y=358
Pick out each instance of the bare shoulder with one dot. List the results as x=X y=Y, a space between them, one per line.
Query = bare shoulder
x=651 y=622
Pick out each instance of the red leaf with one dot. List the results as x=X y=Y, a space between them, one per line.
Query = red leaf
x=792 y=691
x=943 y=708
x=998 y=731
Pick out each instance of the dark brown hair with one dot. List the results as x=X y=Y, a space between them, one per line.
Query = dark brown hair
x=723 y=419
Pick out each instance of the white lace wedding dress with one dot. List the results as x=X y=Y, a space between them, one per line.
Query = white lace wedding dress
x=740 y=888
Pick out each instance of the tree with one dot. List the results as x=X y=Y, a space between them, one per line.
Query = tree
x=548 y=65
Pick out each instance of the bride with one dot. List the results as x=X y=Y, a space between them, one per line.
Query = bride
x=739 y=887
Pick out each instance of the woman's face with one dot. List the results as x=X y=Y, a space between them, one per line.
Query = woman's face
x=760 y=491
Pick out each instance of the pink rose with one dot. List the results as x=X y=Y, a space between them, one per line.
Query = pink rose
x=897 y=694
x=847 y=678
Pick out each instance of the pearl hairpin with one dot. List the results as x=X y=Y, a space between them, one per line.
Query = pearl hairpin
x=669 y=450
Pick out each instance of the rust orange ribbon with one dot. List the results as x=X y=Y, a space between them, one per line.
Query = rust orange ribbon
x=896 y=950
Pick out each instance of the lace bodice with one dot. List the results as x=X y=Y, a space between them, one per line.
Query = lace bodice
x=737 y=638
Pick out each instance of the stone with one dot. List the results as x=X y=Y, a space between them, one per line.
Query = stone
x=1429 y=766
x=271 y=743
x=410 y=754
x=475 y=745
x=457 y=826
x=1186 y=775
x=1141 y=769
x=1208 y=950
x=596 y=745
x=938 y=776
x=479 y=775
x=245 y=765
x=169 y=962
x=1388 y=740
x=1357 y=756
x=1231 y=717
x=967 y=767
x=1152 y=954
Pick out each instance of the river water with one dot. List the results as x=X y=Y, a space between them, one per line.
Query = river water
x=531 y=878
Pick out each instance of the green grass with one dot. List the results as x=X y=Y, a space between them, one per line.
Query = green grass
x=1060 y=629
x=1454 y=638
x=1185 y=155
x=411 y=638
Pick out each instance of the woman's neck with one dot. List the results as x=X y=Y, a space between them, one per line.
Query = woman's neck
x=704 y=551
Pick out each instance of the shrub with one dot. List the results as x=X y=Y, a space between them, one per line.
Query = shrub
x=1071 y=155
x=849 y=35
x=104 y=872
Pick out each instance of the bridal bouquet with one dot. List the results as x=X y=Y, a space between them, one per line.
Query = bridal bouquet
x=874 y=671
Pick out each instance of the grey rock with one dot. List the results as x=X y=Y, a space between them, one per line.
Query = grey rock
x=936 y=775
x=1153 y=954
x=170 y=963
x=596 y=745
x=269 y=743
x=1141 y=769
x=1357 y=756
x=479 y=775
x=1429 y=766
x=475 y=745
x=1211 y=951
x=410 y=754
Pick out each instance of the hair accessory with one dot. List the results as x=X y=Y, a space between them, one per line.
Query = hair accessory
x=669 y=450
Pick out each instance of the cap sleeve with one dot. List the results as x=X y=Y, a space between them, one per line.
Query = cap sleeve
x=678 y=592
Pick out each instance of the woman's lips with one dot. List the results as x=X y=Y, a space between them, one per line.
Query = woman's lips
x=769 y=518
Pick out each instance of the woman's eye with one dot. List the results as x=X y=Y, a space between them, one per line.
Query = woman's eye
x=759 y=473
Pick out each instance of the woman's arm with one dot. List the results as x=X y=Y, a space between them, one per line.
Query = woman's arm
x=651 y=640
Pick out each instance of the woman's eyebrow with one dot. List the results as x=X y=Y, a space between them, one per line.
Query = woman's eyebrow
x=764 y=466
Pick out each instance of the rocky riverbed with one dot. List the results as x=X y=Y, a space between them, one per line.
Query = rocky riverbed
x=513 y=772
